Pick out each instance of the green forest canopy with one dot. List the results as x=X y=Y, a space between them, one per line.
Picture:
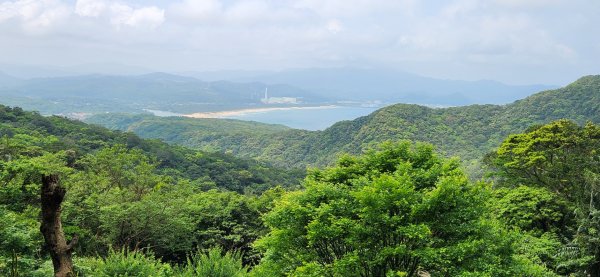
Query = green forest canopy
x=143 y=207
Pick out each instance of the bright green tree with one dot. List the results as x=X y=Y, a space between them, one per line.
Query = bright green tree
x=396 y=211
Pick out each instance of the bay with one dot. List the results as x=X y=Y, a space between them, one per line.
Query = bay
x=308 y=119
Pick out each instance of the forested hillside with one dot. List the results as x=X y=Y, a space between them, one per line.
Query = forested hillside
x=124 y=192
x=468 y=132
x=139 y=207
x=20 y=129
x=132 y=209
x=188 y=131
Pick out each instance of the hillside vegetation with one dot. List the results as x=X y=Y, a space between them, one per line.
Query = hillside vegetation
x=188 y=131
x=137 y=207
x=125 y=193
x=397 y=210
x=20 y=128
x=468 y=131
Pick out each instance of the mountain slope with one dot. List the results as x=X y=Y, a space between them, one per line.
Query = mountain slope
x=78 y=138
x=7 y=81
x=188 y=131
x=468 y=132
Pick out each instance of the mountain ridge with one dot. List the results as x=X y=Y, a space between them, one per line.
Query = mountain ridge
x=467 y=131
x=191 y=93
x=97 y=93
x=391 y=85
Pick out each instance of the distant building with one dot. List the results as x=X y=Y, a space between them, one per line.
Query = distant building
x=278 y=100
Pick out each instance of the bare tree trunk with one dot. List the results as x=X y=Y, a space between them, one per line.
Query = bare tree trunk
x=52 y=197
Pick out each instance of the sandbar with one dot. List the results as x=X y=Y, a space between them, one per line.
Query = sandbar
x=225 y=114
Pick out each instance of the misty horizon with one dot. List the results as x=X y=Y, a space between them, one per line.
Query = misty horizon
x=514 y=42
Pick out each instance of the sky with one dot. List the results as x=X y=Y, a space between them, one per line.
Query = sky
x=513 y=41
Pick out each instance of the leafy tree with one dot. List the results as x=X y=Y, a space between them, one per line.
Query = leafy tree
x=230 y=221
x=20 y=242
x=119 y=197
x=542 y=219
x=534 y=209
x=561 y=157
x=399 y=210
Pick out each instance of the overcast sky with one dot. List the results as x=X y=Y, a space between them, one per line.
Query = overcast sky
x=515 y=41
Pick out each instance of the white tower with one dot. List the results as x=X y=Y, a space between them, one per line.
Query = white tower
x=266 y=99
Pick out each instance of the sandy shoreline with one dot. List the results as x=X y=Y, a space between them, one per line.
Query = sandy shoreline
x=224 y=114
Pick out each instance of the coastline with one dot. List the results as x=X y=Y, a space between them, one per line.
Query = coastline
x=225 y=114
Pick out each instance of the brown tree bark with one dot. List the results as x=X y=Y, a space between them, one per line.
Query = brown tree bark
x=52 y=196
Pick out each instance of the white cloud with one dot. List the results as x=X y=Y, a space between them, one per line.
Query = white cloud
x=529 y=3
x=147 y=16
x=565 y=51
x=90 y=8
x=335 y=26
x=120 y=14
x=249 y=11
x=460 y=8
x=150 y=17
x=196 y=10
x=34 y=14
x=292 y=33
x=353 y=8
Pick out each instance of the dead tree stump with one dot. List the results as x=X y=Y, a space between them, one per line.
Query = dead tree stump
x=52 y=195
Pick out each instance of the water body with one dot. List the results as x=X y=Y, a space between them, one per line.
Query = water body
x=308 y=119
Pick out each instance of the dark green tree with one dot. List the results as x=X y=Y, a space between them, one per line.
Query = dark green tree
x=563 y=158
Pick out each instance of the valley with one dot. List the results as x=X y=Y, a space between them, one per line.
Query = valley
x=468 y=132
x=261 y=138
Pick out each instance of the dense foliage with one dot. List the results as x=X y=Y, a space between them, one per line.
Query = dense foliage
x=397 y=211
x=188 y=131
x=468 y=132
x=555 y=169
x=144 y=208
x=126 y=193
x=54 y=134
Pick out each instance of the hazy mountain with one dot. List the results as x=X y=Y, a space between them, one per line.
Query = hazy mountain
x=8 y=80
x=44 y=71
x=230 y=75
x=230 y=88
x=395 y=86
x=159 y=91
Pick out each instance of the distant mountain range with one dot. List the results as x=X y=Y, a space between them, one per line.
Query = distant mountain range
x=157 y=91
x=468 y=131
x=215 y=91
x=394 y=86
x=7 y=81
x=23 y=71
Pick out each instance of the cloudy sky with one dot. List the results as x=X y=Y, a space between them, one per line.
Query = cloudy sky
x=515 y=41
